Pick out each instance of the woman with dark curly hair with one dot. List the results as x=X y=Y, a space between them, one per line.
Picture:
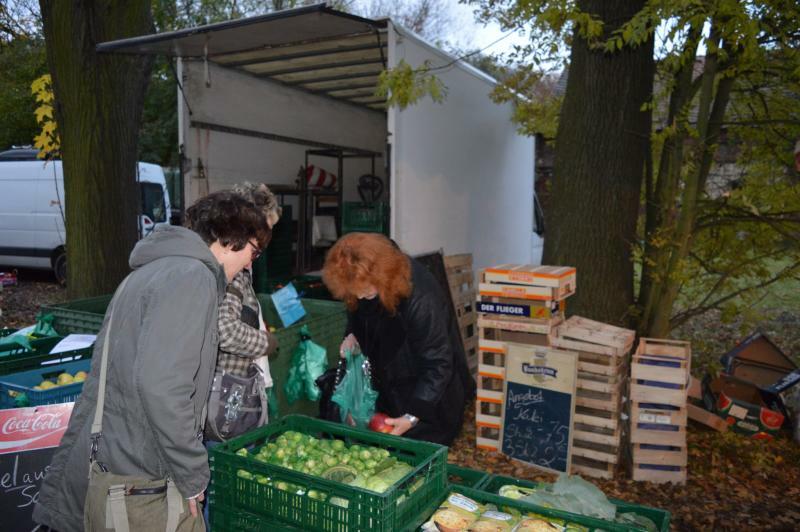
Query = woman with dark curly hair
x=397 y=315
x=161 y=352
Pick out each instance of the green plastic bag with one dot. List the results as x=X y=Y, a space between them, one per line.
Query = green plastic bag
x=354 y=394
x=308 y=362
x=12 y=341
x=44 y=325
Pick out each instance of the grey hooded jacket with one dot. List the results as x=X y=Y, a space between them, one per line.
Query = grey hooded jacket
x=161 y=359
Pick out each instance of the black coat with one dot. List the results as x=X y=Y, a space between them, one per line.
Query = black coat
x=417 y=356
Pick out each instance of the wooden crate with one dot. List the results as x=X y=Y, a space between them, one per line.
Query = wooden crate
x=658 y=463
x=658 y=415
x=592 y=468
x=660 y=372
x=461 y=279
x=560 y=279
x=489 y=400
x=603 y=353
x=508 y=307
x=582 y=334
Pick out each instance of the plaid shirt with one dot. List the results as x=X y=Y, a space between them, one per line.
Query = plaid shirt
x=239 y=343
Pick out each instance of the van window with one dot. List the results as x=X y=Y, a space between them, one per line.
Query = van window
x=153 y=202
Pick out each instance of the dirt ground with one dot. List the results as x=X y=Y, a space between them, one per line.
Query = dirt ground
x=734 y=483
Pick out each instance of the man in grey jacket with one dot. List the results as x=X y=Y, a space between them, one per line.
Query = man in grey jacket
x=162 y=353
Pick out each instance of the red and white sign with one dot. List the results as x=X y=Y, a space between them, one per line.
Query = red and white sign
x=319 y=178
x=36 y=427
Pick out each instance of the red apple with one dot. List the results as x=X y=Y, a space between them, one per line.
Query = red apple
x=378 y=423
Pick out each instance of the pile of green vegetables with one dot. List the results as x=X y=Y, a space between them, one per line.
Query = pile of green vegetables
x=359 y=466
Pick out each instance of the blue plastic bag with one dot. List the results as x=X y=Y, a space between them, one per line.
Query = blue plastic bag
x=287 y=304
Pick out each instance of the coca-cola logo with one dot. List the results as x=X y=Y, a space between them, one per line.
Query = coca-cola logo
x=45 y=421
x=33 y=428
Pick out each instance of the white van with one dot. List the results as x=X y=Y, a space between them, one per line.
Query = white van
x=31 y=209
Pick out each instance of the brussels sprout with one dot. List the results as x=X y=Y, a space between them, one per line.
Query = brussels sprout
x=365 y=455
x=247 y=475
x=261 y=479
x=242 y=452
x=337 y=445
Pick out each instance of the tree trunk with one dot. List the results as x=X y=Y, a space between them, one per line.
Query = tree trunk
x=601 y=153
x=663 y=282
x=99 y=100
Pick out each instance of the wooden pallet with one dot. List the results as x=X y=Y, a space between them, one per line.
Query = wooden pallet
x=461 y=279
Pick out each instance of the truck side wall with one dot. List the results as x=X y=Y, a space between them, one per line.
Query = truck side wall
x=462 y=177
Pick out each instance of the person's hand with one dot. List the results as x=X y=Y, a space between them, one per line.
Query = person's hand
x=193 y=504
x=348 y=344
x=400 y=424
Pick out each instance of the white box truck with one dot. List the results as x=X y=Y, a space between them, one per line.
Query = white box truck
x=32 y=231
x=260 y=97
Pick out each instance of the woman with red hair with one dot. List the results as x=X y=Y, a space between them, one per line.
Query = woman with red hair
x=397 y=315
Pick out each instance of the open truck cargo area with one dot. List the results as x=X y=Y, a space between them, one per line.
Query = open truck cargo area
x=289 y=99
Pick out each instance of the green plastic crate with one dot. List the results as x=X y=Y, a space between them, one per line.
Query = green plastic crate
x=81 y=316
x=224 y=519
x=326 y=322
x=659 y=517
x=22 y=359
x=365 y=217
x=396 y=509
x=230 y=519
x=464 y=476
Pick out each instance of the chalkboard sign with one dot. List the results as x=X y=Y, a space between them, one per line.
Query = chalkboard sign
x=539 y=406
x=21 y=476
x=28 y=439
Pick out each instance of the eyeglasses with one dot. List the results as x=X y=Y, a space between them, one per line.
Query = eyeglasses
x=256 y=251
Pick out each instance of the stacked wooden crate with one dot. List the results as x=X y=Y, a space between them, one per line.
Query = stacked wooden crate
x=461 y=279
x=659 y=386
x=516 y=303
x=598 y=431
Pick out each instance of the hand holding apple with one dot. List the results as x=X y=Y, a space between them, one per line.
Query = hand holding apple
x=378 y=423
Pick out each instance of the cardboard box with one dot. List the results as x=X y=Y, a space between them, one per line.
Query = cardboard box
x=757 y=361
x=740 y=404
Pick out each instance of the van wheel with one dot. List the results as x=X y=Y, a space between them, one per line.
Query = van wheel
x=60 y=267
